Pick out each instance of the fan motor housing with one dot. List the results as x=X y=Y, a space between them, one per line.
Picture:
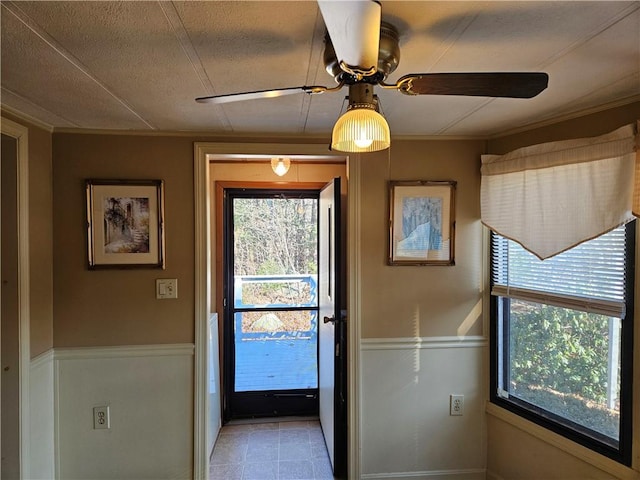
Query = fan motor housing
x=388 y=57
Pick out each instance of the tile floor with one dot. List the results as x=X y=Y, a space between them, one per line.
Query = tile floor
x=278 y=450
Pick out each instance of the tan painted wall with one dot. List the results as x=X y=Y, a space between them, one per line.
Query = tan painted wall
x=405 y=388
x=422 y=301
x=41 y=235
x=118 y=307
x=513 y=453
x=586 y=126
x=523 y=457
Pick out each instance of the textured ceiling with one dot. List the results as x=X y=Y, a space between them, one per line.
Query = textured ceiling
x=139 y=65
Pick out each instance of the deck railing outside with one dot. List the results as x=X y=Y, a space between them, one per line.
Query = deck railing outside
x=276 y=332
x=301 y=292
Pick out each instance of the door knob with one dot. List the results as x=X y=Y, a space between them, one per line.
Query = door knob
x=329 y=319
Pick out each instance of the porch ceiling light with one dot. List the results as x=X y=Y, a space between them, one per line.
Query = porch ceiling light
x=280 y=165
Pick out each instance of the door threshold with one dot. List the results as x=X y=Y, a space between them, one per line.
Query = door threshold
x=246 y=421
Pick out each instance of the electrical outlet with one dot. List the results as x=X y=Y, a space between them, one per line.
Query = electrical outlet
x=456 y=405
x=101 y=418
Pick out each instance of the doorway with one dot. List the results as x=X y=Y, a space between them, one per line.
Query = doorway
x=271 y=302
x=282 y=264
x=217 y=165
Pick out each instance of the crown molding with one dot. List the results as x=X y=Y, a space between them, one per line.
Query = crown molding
x=203 y=136
x=569 y=116
x=314 y=138
x=27 y=118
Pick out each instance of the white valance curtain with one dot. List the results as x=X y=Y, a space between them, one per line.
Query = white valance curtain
x=553 y=196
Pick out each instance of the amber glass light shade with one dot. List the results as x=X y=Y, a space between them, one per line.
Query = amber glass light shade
x=361 y=129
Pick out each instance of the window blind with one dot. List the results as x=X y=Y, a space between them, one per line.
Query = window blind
x=589 y=277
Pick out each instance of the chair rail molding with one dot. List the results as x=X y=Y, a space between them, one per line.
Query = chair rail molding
x=412 y=343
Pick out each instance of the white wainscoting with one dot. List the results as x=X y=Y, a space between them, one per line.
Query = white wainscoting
x=41 y=418
x=149 y=392
x=406 y=429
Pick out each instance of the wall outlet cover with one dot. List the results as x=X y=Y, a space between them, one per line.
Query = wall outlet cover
x=101 y=419
x=456 y=405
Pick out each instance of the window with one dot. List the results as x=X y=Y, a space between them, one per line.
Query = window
x=562 y=338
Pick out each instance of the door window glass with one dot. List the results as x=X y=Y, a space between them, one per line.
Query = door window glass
x=275 y=293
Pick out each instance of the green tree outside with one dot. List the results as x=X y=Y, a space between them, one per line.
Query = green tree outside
x=559 y=361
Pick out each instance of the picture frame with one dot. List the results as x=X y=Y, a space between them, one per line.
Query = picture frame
x=125 y=223
x=422 y=222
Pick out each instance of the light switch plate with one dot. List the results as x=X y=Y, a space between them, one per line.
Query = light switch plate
x=166 y=288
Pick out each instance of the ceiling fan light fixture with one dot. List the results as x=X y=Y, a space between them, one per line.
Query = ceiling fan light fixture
x=361 y=129
x=280 y=165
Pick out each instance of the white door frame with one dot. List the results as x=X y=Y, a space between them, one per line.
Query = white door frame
x=202 y=187
x=21 y=134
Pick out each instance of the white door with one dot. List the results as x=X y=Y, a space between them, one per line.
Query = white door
x=331 y=356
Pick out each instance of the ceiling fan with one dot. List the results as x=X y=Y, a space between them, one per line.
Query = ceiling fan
x=361 y=50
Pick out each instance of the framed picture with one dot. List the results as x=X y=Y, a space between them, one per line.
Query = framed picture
x=422 y=223
x=125 y=223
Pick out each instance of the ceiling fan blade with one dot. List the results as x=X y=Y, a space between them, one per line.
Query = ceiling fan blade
x=276 y=92
x=495 y=84
x=354 y=28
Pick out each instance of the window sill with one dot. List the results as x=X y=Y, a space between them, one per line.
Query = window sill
x=589 y=456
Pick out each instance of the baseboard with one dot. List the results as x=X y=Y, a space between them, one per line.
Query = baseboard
x=460 y=474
